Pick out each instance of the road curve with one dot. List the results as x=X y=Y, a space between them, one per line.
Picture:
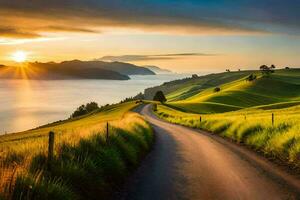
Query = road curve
x=190 y=164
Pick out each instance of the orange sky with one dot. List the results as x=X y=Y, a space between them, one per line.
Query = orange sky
x=221 y=36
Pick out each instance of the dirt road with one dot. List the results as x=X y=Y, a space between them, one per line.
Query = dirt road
x=190 y=164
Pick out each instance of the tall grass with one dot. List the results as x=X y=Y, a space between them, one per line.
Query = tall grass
x=252 y=127
x=85 y=165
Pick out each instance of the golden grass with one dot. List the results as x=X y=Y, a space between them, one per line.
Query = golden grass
x=17 y=150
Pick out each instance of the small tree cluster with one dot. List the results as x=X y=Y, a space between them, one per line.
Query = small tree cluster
x=85 y=109
x=266 y=71
x=159 y=96
x=140 y=96
x=227 y=70
x=251 y=77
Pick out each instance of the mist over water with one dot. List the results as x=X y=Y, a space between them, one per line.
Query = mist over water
x=26 y=104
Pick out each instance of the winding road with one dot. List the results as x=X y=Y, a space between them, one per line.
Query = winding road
x=190 y=164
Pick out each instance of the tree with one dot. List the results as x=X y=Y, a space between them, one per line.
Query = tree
x=85 y=109
x=287 y=68
x=90 y=107
x=265 y=70
x=159 y=96
x=79 y=111
x=217 y=89
x=272 y=67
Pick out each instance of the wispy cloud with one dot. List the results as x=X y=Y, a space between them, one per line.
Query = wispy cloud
x=10 y=32
x=68 y=29
x=130 y=58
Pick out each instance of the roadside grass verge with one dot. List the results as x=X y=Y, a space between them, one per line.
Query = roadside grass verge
x=85 y=166
x=252 y=127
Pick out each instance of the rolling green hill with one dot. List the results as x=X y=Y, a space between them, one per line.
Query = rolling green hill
x=187 y=87
x=198 y=96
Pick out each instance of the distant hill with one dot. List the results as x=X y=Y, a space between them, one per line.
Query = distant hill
x=54 y=71
x=74 y=69
x=121 y=67
x=198 y=94
x=158 y=70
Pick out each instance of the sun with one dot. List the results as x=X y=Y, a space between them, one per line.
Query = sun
x=19 y=56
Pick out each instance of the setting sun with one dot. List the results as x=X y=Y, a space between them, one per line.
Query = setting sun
x=19 y=56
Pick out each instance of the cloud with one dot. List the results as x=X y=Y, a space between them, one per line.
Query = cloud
x=32 y=18
x=130 y=58
x=68 y=29
x=10 y=32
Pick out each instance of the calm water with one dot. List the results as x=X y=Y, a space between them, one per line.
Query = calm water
x=27 y=104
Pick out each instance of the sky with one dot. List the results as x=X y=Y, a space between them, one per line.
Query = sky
x=180 y=35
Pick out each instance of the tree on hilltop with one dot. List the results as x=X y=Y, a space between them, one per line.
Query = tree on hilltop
x=266 y=71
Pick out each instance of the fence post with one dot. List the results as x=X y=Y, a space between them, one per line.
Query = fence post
x=245 y=117
x=272 y=119
x=200 y=119
x=107 y=132
x=50 y=149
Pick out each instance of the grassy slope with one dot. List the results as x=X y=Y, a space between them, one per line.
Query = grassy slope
x=82 y=123
x=194 y=86
x=281 y=87
x=82 y=157
x=250 y=126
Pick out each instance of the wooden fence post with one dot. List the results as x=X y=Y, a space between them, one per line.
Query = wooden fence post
x=272 y=119
x=155 y=107
x=107 y=132
x=200 y=119
x=50 y=149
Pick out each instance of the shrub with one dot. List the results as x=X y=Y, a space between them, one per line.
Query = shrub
x=251 y=77
x=217 y=89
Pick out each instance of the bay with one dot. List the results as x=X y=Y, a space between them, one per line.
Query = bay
x=26 y=104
